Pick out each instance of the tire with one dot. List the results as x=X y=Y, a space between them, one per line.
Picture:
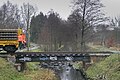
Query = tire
x=10 y=49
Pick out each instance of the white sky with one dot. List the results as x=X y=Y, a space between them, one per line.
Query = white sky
x=63 y=6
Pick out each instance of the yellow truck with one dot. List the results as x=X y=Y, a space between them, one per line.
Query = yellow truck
x=9 y=39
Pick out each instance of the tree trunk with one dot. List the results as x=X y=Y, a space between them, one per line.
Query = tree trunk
x=83 y=28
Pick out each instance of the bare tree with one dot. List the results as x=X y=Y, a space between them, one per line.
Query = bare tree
x=90 y=11
x=7 y=15
x=115 y=23
x=27 y=11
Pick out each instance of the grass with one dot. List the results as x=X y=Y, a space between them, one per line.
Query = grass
x=8 y=72
x=36 y=73
x=32 y=72
x=98 y=48
x=35 y=50
x=110 y=68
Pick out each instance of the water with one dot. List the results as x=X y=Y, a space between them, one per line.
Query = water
x=69 y=73
x=65 y=71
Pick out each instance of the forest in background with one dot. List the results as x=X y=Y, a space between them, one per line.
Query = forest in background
x=86 y=24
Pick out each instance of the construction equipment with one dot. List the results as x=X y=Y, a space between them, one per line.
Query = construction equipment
x=9 y=39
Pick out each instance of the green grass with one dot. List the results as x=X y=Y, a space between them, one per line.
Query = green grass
x=77 y=65
x=110 y=68
x=33 y=72
x=35 y=50
x=8 y=72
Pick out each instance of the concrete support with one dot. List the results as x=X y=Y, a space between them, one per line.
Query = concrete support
x=20 y=66
x=83 y=62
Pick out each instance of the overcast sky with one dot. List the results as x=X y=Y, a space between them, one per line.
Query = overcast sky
x=63 y=6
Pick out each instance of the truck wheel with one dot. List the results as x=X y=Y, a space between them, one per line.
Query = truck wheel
x=10 y=49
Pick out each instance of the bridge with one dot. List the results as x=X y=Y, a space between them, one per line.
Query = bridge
x=86 y=57
x=58 y=56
